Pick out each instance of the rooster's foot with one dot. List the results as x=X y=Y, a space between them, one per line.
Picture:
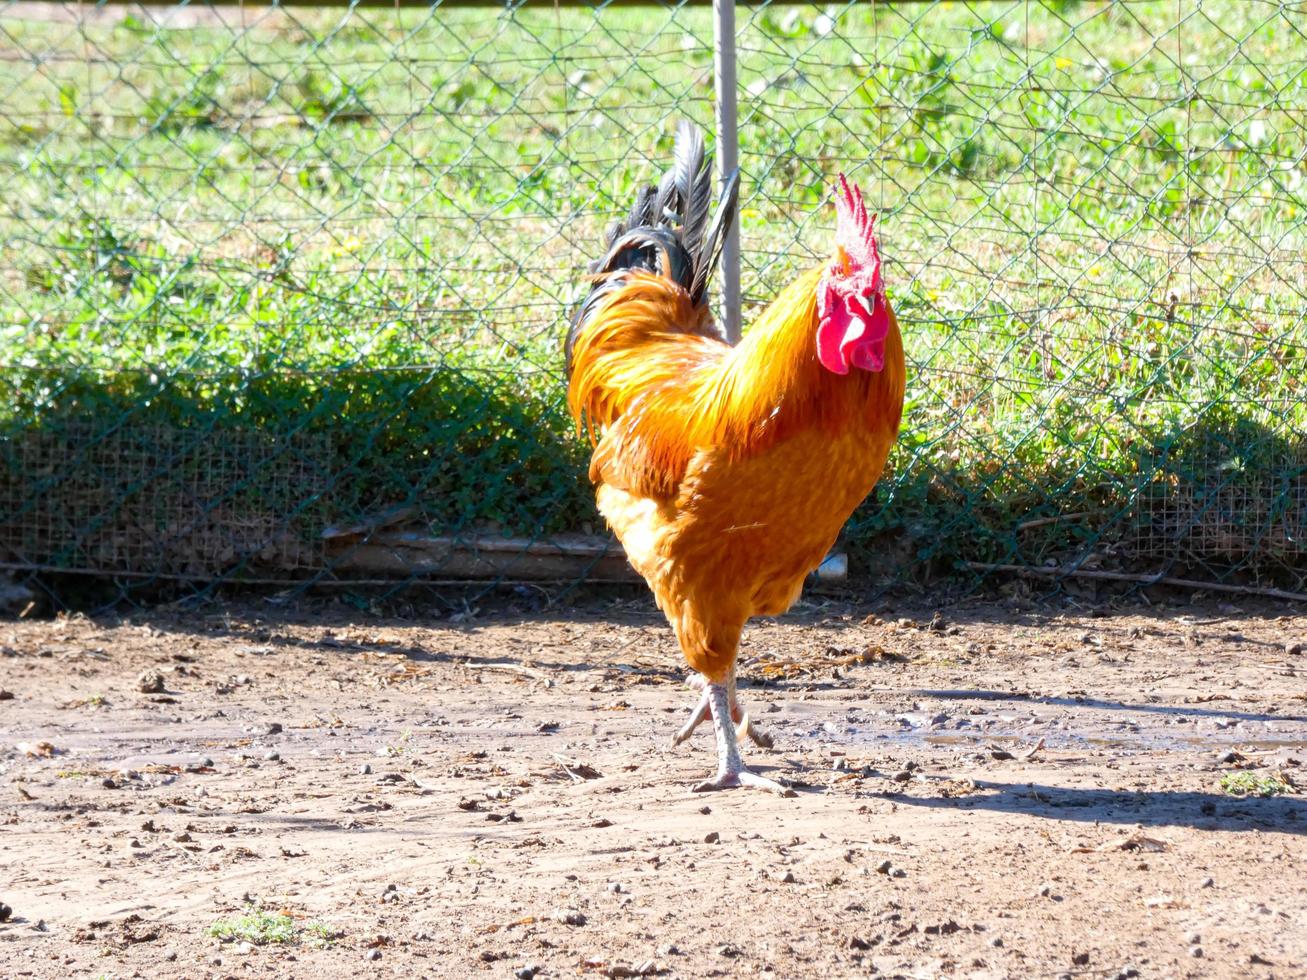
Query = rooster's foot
x=743 y=778
x=756 y=735
x=697 y=717
x=731 y=771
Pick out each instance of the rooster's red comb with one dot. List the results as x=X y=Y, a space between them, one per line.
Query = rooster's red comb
x=855 y=229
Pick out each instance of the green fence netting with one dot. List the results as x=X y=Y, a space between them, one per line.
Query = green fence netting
x=282 y=288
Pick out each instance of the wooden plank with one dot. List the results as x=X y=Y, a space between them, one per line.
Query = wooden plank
x=407 y=553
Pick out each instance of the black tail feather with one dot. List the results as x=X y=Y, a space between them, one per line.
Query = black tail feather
x=667 y=231
x=693 y=172
x=716 y=234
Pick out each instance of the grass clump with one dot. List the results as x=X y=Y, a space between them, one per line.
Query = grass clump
x=370 y=229
x=1243 y=784
x=263 y=928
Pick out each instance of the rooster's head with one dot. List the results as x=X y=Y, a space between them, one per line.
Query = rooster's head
x=852 y=312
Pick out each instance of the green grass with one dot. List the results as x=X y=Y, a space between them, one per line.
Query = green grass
x=1251 y=784
x=263 y=928
x=369 y=226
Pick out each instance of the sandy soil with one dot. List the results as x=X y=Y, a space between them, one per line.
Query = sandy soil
x=983 y=792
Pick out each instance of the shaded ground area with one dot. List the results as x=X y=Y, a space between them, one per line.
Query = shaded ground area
x=983 y=791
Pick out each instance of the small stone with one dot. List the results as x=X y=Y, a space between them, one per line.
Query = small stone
x=1208 y=883
x=1196 y=952
x=244 y=949
x=898 y=873
x=705 y=810
x=615 y=887
x=5 y=912
x=902 y=776
x=1193 y=939
x=885 y=867
x=149 y=682
x=569 y=917
x=525 y=973
x=1293 y=649
x=365 y=769
x=788 y=878
x=274 y=728
x=6 y=695
x=374 y=954
x=1080 y=959
x=712 y=838
x=997 y=942
x=728 y=950
x=272 y=755
x=108 y=783
x=1045 y=890
x=671 y=949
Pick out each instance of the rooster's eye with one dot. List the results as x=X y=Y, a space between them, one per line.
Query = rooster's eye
x=843 y=261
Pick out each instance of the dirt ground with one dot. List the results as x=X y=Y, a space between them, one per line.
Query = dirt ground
x=983 y=790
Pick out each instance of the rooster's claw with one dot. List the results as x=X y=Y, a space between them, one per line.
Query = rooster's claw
x=743 y=779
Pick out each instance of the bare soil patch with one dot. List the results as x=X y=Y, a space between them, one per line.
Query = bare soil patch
x=985 y=792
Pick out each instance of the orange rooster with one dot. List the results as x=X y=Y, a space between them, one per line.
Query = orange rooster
x=727 y=472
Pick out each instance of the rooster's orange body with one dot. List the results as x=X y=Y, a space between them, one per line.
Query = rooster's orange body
x=728 y=472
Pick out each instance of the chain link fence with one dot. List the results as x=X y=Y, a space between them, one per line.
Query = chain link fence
x=283 y=288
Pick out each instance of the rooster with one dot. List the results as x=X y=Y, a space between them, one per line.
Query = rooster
x=727 y=471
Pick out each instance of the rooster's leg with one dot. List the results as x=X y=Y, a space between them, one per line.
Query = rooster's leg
x=702 y=712
x=730 y=767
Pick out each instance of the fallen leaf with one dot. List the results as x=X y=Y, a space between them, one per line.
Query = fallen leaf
x=1161 y=902
x=579 y=771
x=957 y=787
x=1131 y=842
x=37 y=750
x=646 y=969
x=1029 y=753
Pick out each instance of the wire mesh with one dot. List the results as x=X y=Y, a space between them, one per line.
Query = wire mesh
x=1093 y=219
x=268 y=273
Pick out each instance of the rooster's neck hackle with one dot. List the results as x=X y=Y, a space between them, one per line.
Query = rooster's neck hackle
x=779 y=385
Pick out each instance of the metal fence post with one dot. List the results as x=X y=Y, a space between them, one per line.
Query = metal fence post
x=727 y=156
